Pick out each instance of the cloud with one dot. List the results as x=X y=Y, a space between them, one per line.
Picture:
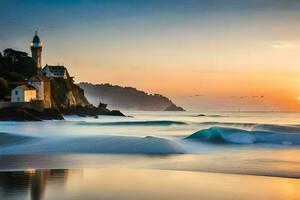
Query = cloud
x=227 y=97
x=242 y=97
x=282 y=45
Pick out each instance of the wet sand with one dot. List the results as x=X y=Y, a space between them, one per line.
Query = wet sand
x=131 y=184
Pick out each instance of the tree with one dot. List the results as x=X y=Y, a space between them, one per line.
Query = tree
x=17 y=62
x=3 y=88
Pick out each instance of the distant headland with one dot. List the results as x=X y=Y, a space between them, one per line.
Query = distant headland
x=127 y=98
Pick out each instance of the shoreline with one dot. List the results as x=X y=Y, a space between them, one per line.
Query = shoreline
x=149 y=162
x=134 y=184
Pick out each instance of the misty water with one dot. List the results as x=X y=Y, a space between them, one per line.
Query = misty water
x=148 y=153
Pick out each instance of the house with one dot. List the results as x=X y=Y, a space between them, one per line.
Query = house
x=55 y=71
x=23 y=93
x=42 y=85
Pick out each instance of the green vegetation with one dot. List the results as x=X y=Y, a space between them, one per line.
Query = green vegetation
x=15 y=67
x=3 y=88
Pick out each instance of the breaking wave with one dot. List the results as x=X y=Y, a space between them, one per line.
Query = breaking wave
x=134 y=123
x=239 y=136
x=277 y=128
x=230 y=124
x=8 y=139
x=256 y=126
x=97 y=144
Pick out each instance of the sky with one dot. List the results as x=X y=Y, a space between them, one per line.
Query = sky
x=214 y=55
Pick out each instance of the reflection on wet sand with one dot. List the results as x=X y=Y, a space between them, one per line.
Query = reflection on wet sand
x=15 y=185
x=136 y=184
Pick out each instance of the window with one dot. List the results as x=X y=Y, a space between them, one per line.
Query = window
x=16 y=92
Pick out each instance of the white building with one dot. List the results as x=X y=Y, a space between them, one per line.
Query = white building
x=23 y=93
x=55 y=71
x=42 y=85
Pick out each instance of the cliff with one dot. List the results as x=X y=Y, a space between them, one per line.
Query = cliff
x=127 y=98
x=67 y=94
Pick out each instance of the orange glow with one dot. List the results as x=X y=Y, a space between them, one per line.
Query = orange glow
x=247 y=57
x=30 y=171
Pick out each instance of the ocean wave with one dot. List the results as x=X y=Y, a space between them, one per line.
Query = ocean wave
x=207 y=115
x=240 y=136
x=8 y=138
x=98 y=144
x=133 y=123
x=230 y=124
x=277 y=128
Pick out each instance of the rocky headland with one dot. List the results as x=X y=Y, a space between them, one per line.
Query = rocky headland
x=67 y=98
x=127 y=98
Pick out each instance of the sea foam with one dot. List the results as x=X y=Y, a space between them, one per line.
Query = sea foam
x=133 y=123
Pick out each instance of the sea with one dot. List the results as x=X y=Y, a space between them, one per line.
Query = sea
x=153 y=155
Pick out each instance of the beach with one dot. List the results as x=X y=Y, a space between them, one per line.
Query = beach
x=149 y=156
x=142 y=184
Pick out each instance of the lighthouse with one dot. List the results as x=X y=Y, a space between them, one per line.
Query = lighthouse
x=36 y=52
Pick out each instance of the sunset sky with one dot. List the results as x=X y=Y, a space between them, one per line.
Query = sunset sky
x=204 y=54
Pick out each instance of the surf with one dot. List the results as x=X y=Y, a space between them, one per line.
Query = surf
x=133 y=123
x=224 y=135
x=96 y=144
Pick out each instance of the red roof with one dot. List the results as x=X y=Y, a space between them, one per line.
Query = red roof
x=27 y=87
x=38 y=78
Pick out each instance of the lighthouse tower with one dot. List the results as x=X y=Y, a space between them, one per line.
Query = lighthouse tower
x=36 y=52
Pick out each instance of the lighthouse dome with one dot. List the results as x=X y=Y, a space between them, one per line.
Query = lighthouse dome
x=36 y=39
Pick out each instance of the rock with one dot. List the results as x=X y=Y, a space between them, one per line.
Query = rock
x=65 y=93
x=26 y=114
x=51 y=114
x=115 y=113
x=102 y=105
x=90 y=110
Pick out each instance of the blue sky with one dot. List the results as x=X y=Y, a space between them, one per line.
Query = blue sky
x=60 y=17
